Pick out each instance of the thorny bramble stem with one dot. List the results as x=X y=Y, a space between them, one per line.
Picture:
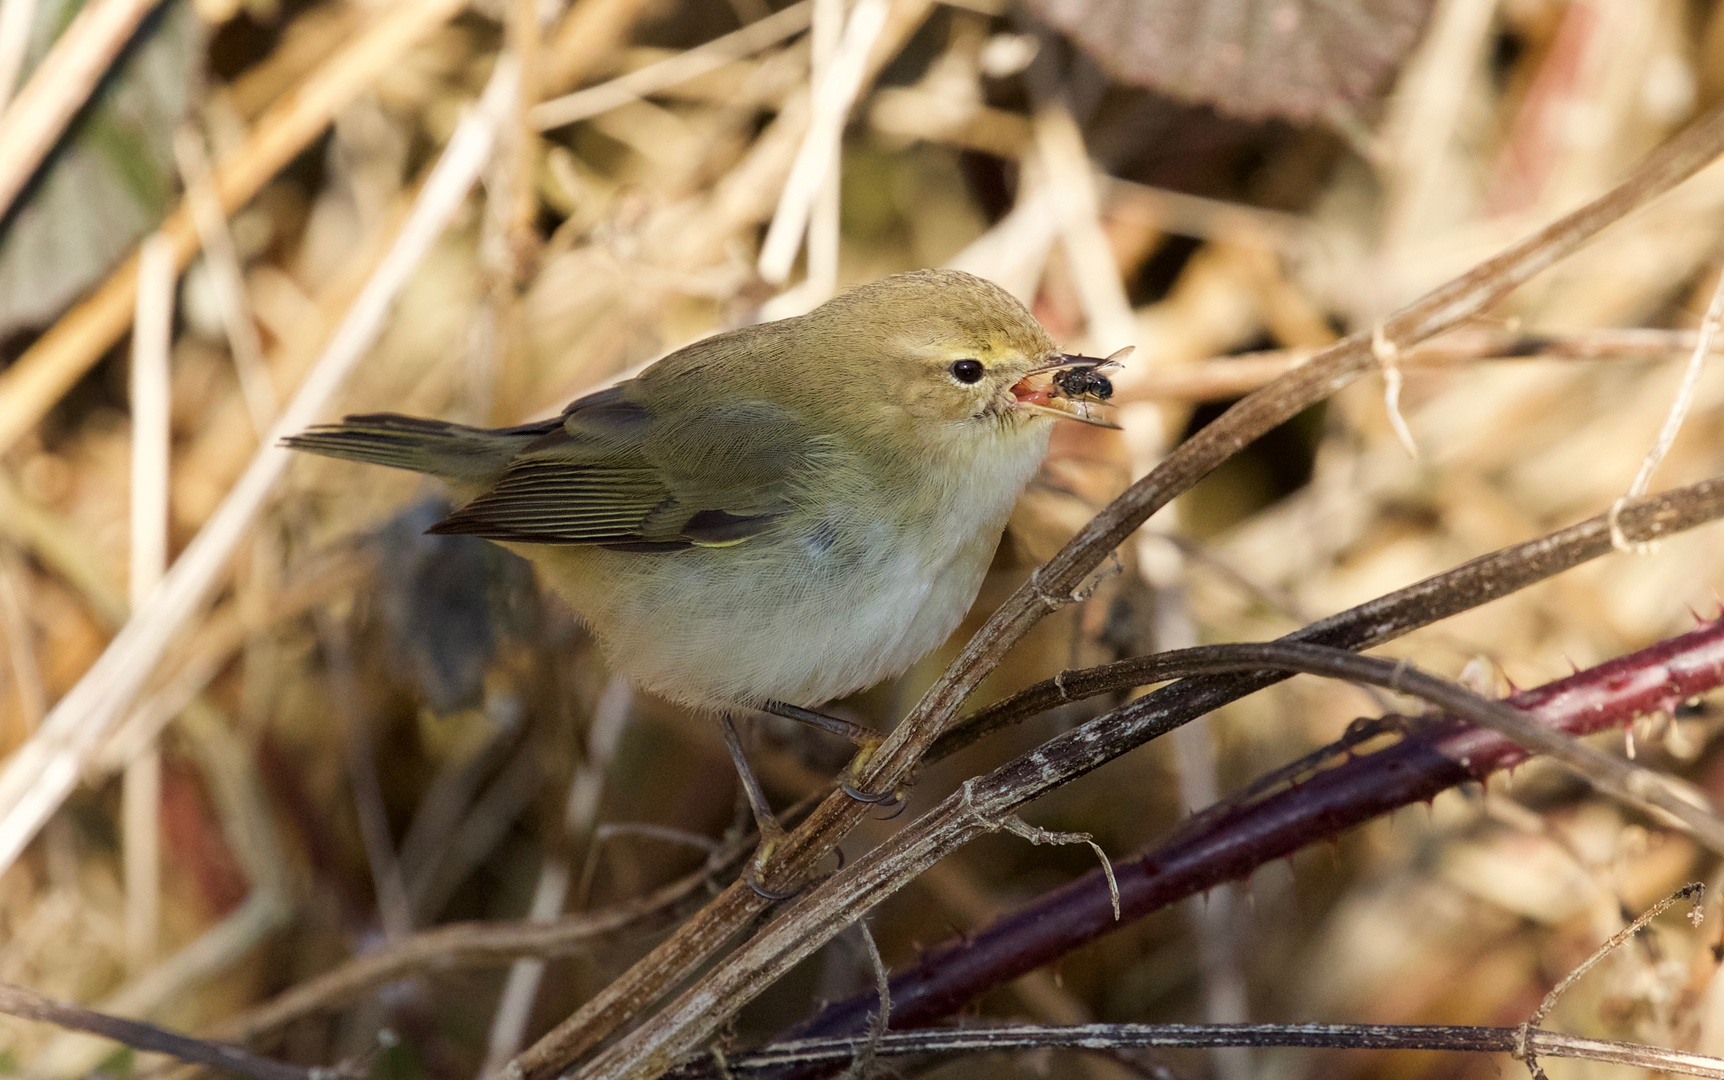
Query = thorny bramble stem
x=1230 y=841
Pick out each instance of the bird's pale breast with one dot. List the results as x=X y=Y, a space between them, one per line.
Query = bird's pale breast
x=841 y=598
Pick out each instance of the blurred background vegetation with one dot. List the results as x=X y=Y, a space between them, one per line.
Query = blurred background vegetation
x=366 y=731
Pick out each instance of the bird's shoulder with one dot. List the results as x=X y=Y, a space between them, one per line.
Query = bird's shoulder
x=635 y=470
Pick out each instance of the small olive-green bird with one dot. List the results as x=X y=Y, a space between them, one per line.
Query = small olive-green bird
x=775 y=516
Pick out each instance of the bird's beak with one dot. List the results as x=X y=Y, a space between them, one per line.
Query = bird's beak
x=1041 y=391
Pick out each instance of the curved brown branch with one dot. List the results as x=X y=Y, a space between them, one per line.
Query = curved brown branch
x=1466 y=586
x=29 y=1005
x=1202 y=1036
x=1455 y=1038
x=1228 y=377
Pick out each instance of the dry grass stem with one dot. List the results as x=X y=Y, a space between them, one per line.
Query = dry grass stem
x=249 y=831
x=227 y=279
x=1684 y=393
x=684 y=66
x=556 y=873
x=1692 y=892
x=1101 y=1037
x=31 y=385
x=40 y=774
x=17 y=1001
x=1065 y=164
x=15 y=19
x=394 y=907
x=818 y=155
x=459 y=945
x=58 y=88
x=142 y=788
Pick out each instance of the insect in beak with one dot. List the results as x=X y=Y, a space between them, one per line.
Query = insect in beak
x=1072 y=384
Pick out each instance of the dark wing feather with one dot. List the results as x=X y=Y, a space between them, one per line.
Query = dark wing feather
x=618 y=475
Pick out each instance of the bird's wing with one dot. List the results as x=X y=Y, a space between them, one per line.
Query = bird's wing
x=618 y=474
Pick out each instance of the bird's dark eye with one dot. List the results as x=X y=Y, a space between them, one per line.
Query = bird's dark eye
x=967 y=371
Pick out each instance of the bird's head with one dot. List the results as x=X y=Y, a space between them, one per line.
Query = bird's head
x=950 y=355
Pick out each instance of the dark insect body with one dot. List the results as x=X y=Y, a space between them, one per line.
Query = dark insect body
x=1084 y=382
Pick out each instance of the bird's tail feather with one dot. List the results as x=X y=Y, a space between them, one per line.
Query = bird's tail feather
x=452 y=451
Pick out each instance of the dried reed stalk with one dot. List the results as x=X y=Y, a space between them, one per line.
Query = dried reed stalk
x=16 y=17
x=39 y=776
x=227 y=279
x=58 y=88
x=818 y=154
x=684 y=66
x=60 y=357
x=141 y=791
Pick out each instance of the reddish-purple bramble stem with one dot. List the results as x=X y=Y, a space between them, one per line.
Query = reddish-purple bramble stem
x=1231 y=842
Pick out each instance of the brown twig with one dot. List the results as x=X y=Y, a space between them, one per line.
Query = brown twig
x=1692 y=892
x=649 y=1050
x=1526 y=1050
x=976 y=1040
x=1235 y=376
x=460 y=945
x=1469 y=585
x=17 y=1001
x=1628 y=783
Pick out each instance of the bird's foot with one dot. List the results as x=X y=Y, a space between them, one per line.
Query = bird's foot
x=893 y=799
x=865 y=737
x=852 y=785
x=761 y=867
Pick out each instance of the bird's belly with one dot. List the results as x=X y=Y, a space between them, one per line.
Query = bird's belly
x=726 y=627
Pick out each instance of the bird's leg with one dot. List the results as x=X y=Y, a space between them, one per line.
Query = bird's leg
x=771 y=832
x=864 y=737
x=867 y=740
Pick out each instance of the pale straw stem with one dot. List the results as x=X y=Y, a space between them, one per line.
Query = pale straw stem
x=83 y=335
x=39 y=776
x=817 y=156
x=580 y=811
x=141 y=788
x=1684 y=394
x=823 y=224
x=1014 y=253
x=16 y=17
x=691 y=64
x=35 y=119
x=1090 y=260
x=226 y=279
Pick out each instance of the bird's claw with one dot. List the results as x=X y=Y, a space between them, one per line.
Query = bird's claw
x=752 y=879
x=876 y=798
x=755 y=875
